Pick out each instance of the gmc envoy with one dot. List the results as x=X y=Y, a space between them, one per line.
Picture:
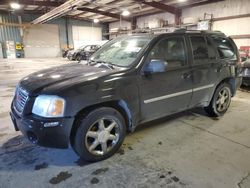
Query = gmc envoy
x=131 y=80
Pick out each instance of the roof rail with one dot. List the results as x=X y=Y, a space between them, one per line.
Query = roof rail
x=183 y=30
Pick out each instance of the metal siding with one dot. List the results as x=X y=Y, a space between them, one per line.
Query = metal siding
x=9 y=32
x=13 y=33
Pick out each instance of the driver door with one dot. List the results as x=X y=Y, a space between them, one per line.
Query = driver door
x=169 y=91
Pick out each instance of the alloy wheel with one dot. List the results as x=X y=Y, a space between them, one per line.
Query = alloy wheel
x=223 y=100
x=102 y=136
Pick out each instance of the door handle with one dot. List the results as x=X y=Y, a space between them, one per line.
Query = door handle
x=186 y=75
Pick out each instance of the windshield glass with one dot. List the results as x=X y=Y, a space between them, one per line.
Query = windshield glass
x=121 y=51
x=86 y=48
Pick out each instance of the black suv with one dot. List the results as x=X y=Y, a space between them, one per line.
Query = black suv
x=129 y=81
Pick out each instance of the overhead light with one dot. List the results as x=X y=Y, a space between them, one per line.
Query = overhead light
x=15 y=5
x=125 y=13
x=181 y=1
x=96 y=20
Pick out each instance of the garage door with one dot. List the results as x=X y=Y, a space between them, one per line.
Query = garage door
x=86 y=35
x=42 y=41
x=238 y=26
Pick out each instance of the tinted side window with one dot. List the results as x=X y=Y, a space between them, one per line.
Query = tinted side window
x=200 y=51
x=171 y=50
x=224 y=47
x=211 y=50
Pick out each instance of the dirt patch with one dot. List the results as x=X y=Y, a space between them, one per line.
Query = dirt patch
x=162 y=176
x=121 y=151
x=100 y=171
x=94 y=180
x=130 y=148
x=175 y=179
x=41 y=166
x=62 y=176
x=3 y=134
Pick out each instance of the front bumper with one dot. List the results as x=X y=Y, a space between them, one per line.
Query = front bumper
x=37 y=131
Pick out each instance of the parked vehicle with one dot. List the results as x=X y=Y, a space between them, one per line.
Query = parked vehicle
x=83 y=53
x=246 y=73
x=65 y=52
x=70 y=54
x=87 y=52
x=243 y=55
x=129 y=81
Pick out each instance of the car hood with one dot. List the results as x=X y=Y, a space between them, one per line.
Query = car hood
x=61 y=76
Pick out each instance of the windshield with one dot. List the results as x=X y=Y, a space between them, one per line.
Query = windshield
x=121 y=51
x=87 y=48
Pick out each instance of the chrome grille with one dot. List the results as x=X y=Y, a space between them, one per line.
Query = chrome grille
x=21 y=98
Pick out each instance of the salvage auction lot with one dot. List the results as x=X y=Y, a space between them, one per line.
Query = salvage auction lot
x=185 y=150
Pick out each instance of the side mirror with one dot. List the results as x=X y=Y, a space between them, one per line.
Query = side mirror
x=155 y=66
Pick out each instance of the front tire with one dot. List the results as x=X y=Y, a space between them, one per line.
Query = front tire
x=100 y=134
x=220 y=101
x=78 y=58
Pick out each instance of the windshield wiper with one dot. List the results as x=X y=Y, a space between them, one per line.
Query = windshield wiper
x=107 y=64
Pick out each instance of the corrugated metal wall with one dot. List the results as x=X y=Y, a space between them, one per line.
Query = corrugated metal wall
x=13 y=33
x=7 y=32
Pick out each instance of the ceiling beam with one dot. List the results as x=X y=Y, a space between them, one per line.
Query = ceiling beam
x=32 y=2
x=109 y=14
x=200 y=3
x=160 y=6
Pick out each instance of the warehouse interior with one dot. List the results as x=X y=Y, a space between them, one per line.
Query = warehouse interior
x=185 y=149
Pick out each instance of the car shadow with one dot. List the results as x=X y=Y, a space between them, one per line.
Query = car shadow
x=18 y=154
x=245 y=89
x=189 y=114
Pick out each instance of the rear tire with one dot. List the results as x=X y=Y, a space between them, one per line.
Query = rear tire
x=220 y=101
x=100 y=134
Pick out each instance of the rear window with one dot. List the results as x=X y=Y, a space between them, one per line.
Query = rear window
x=224 y=48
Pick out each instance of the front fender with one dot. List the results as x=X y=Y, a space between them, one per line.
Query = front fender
x=119 y=93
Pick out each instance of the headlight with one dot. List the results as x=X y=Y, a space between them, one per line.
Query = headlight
x=49 y=106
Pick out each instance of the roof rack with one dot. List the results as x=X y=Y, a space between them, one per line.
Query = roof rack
x=183 y=30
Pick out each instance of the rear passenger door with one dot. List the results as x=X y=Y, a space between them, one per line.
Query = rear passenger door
x=205 y=69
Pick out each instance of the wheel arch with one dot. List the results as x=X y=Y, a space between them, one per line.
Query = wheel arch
x=232 y=82
x=119 y=105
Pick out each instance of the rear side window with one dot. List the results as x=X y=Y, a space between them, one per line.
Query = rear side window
x=224 y=48
x=211 y=50
x=200 y=50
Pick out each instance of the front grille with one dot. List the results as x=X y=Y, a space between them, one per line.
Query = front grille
x=21 y=98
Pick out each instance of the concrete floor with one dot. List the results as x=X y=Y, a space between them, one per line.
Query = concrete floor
x=185 y=150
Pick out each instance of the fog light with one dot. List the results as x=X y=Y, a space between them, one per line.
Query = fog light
x=32 y=137
x=51 y=124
